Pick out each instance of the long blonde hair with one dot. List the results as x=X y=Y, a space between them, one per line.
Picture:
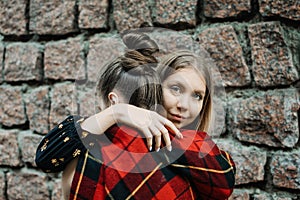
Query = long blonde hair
x=172 y=62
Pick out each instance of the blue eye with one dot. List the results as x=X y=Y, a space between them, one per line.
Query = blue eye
x=175 y=89
x=198 y=97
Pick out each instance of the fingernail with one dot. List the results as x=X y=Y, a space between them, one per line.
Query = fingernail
x=150 y=148
x=169 y=148
x=180 y=136
x=157 y=150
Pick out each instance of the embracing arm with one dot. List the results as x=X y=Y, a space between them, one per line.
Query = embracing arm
x=69 y=139
x=151 y=124
x=65 y=141
x=210 y=170
x=61 y=145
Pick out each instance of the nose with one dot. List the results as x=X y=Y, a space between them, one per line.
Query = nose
x=183 y=102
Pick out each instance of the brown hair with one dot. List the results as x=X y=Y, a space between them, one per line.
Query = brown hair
x=186 y=59
x=133 y=74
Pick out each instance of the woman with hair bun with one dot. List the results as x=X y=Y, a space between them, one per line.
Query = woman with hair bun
x=120 y=164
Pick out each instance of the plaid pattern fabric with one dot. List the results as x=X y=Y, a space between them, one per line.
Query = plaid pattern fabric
x=126 y=169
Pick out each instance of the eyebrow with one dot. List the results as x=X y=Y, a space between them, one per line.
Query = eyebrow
x=202 y=92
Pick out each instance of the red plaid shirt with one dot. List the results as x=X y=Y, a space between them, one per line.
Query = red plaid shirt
x=123 y=168
x=201 y=172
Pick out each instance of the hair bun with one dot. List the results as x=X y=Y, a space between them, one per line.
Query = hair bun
x=140 y=42
x=140 y=52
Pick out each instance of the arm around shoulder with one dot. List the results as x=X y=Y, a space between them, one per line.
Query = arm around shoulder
x=60 y=145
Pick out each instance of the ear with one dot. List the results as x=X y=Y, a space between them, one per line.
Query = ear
x=113 y=98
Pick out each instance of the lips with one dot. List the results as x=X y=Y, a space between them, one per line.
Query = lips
x=177 y=117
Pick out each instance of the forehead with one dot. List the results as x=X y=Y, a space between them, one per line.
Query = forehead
x=189 y=77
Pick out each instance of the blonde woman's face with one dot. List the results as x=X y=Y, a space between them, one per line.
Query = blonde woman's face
x=183 y=94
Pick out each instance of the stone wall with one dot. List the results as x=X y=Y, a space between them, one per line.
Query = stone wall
x=46 y=45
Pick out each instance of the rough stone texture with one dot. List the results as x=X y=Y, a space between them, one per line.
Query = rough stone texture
x=261 y=195
x=52 y=17
x=239 y=194
x=131 y=14
x=173 y=12
x=28 y=145
x=37 y=104
x=57 y=190
x=62 y=105
x=169 y=41
x=9 y=150
x=23 y=62
x=225 y=50
x=249 y=161
x=93 y=14
x=228 y=8
x=12 y=111
x=2 y=185
x=87 y=101
x=26 y=185
x=268 y=118
x=272 y=61
x=292 y=39
x=13 y=17
x=102 y=51
x=64 y=59
x=1 y=61
x=260 y=122
x=285 y=170
x=285 y=8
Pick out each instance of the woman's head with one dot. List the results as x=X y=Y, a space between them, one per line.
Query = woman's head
x=187 y=90
x=132 y=77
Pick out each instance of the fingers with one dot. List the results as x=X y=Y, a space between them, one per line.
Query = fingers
x=166 y=136
x=158 y=129
x=157 y=137
x=171 y=127
x=149 y=139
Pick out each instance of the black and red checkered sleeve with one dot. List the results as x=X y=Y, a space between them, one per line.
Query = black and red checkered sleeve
x=210 y=170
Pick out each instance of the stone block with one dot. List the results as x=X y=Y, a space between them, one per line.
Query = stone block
x=2 y=185
x=103 y=49
x=169 y=41
x=272 y=60
x=52 y=17
x=13 y=17
x=93 y=14
x=28 y=144
x=131 y=14
x=223 y=46
x=289 y=9
x=249 y=161
x=37 y=104
x=225 y=9
x=63 y=102
x=13 y=110
x=268 y=118
x=174 y=12
x=87 y=101
x=57 y=190
x=27 y=185
x=285 y=170
x=9 y=149
x=1 y=61
x=64 y=60
x=23 y=62
x=239 y=194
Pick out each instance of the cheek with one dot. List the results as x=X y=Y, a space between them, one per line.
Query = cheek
x=168 y=99
x=196 y=108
